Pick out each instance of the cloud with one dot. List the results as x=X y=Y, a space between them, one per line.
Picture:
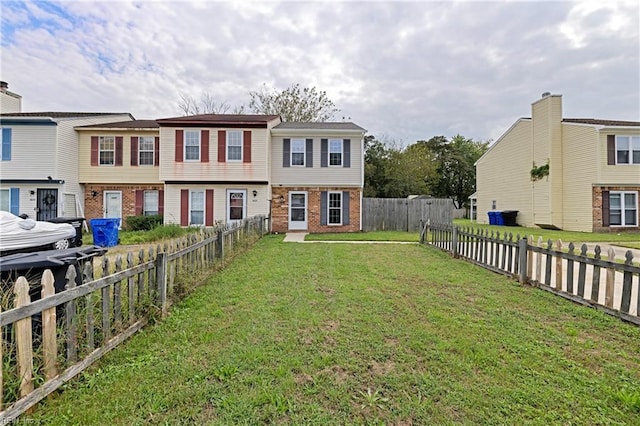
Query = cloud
x=410 y=70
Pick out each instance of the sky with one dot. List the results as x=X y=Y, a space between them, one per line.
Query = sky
x=405 y=71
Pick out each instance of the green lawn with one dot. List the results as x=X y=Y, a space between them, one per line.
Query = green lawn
x=366 y=236
x=621 y=238
x=335 y=334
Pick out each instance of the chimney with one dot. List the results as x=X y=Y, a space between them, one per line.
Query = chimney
x=4 y=85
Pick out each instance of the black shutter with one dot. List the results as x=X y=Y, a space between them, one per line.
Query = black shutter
x=286 y=152
x=309 y=159
x=323 y=208
x=346 y=153
x=611 y=150
x=605 y=208
x=345 y=207
x=324 y=152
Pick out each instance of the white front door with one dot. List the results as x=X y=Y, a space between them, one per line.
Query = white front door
x=298 y=211
x=113 y=204
x=236 y=204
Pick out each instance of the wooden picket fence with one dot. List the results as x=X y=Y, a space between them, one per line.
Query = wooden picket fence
x=46 y=342
x=404 y=214
x=611 y=285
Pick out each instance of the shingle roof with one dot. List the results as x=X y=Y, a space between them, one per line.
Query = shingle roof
x=56 y=114
x=133 y=124
x=327 y=125
x=598 y=122
x=220 y=119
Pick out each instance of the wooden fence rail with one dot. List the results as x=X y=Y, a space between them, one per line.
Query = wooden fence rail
x=610 y=285
x=72 y=329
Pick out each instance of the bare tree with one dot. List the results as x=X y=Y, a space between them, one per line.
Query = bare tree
x=206 y=105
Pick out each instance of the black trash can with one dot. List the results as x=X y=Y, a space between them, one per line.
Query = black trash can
x=32 y=266
x=76 y=222
x=509 y=217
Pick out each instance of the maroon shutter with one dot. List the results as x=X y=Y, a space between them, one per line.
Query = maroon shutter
x=94 y=150
x=222 y=145
x=204 y=146
x=179 y=145
x=119 y=150
x=184 y=207
x=134 y=150
x=246 y=146
x=139 y=202
x=605 y=208
x=161 y=202
x=208 y=209
x=156 y=151
x=611 y=150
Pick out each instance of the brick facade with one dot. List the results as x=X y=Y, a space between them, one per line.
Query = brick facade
x=598 y=225
x=93 y=205
x=280 y=209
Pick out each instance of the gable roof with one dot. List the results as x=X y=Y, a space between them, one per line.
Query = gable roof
x=598 y=122
x=220 y=120
x=315 y=125
x=133 y=124
x=57 y=114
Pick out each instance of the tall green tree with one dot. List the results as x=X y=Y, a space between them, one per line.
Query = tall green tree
x=293 y=103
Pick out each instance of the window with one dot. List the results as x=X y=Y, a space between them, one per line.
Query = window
x=623 y=208
x=196 y=208
x=107 y=150
x=5 y=203
x=146 y=154
x=335 y=208
x=151 y=203
x=235 y=204
x=335 y=152
x=191 y=145
x=234 y=146
x=5 y=144
x=628 y=149
x=297 y=152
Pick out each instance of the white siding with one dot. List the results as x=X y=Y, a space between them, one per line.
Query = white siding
x=503 y=175
x=9 y=103
x=257 y=170
x=33 y=152
x=258 y=205
x=579 y=168
x=316 y=175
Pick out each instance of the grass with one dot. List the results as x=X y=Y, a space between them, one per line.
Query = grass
x=621 y=238
x=366 y=236
x=326 y=334
x=161 y=233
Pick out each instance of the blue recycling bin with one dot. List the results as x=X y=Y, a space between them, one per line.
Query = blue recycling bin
x=492 y=218
x=105 y=231
x=499 y=219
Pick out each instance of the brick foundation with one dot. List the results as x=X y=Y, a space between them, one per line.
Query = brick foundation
x=280 y=209
x=598 y=225
x=94 y=208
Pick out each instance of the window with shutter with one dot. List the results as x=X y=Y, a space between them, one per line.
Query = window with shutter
x=5 y=145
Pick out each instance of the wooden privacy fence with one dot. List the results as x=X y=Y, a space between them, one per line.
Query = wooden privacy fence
x=403 y=214
x=611 y=285
x=46 y=342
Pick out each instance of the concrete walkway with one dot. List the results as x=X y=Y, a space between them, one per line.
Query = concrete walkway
x=298 y=237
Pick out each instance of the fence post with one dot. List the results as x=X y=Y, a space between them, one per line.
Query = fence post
x=454 y=241
x=611 y=279
x=70 y=317
x=161 y=278
x=522 y=254
x=422 y=229
x=24 y=338
x=49 y=343
x=220 y=244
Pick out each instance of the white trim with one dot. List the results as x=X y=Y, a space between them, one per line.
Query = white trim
x=629 y=150
x=304 y=153
x=226 y=146
x=204 y=206
x=153 y=150
x=228 y=205
x=304 y=225
x=329 y=208
x=184 y=146
x=341 y=152
x=101 y=139
x=104 y=203
x=623 y=208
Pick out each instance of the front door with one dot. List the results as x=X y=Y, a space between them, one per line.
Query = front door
x=47 y=204
x=236 y=204
x=298 y=211
x=113 y=204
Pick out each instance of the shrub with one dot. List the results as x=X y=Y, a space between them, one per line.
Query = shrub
x=143 y=223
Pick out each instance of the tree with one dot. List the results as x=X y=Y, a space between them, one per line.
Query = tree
x=293 y=103
x=455 y=164
x=206 y=105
